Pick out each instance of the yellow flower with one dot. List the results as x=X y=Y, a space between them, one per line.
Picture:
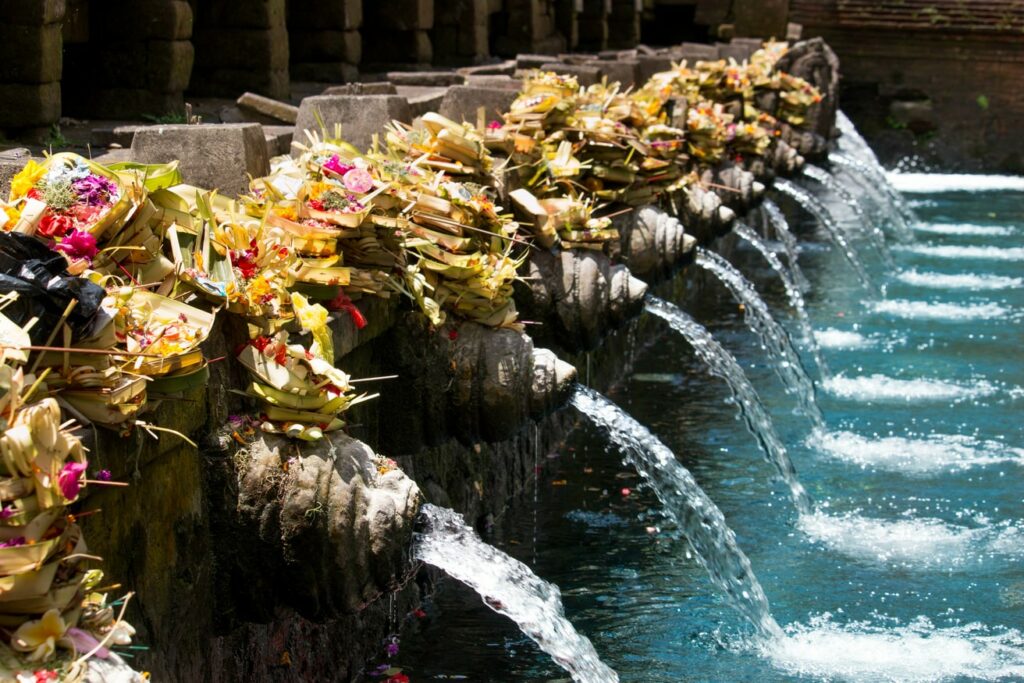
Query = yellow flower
x=313 y=318
x=26 y=179
x=39 y=637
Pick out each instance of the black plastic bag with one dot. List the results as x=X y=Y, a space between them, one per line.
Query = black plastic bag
x=45 y=288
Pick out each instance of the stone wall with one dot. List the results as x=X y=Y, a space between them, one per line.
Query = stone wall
x=30 y=63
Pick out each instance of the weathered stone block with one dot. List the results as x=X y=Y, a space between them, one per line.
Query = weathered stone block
x=360 y=116
x=325 y=46
x=585 y=74
x=242 y=49
x=461 y=102
x=275 y=109
x=31 y=12
x=30 y=54
x=343 y=15
x=500 y=82
x=624 y=71
x=426 y=78
x=652 y=64
x=761 y=18
x=379 y=88
x=29 y=106
x=169 y=64
x=249 y=14
x=524 y=61
x=693 y=52
x=279 y=139
x=214 y=156
x=422 y=99
x=404 y=15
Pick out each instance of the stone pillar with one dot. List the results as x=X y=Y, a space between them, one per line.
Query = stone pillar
x=241 y=46
x=397 y=32
x=567 y=22
x=593 y=25
x=761 y=18
x=324 y=39
x=624 y=24
x=530 y=28
x=30 y=63
x=460 y=34
x=127 y=58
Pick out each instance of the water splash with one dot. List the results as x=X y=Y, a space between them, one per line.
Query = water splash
x=964 y=229
x=779 y=224
x=856 y=156
x=874 y=233
x=969 y=281
x=909 y=543
x=930 y=310
x=774 y=339
x=918 y=652
x=915 y=457
x=723 y=365
x=832 y=338
x=949 y=251
x=932 y=183
x=892 y=390
x=821 y=213
x=686 y=504
x=508 y=587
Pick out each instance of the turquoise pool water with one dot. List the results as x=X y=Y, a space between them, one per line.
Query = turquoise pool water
x=911 y=567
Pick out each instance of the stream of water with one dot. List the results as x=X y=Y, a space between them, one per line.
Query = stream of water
x=910 y=566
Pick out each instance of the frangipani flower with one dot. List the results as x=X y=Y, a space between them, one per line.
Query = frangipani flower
x=39 y=637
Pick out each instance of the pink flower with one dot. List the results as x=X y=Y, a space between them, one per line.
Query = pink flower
x=358 y=180
x=78 y=244
x=334 y=165
x=8 y=511
x=494 y=125
x=85 y=642
x=13 y=543
x=69 y=479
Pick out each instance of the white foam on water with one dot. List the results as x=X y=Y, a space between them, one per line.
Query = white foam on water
x=927 y=183
x=964 y=229
x=882 y=388
x=915 y=456
x=927 y=310
x=909 y=542
x=916 y=652
x=951 y=251
x=832 y=338
x=958 y=281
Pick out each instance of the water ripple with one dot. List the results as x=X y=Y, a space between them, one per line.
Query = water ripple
x=915 y=456
x=882 y=388
x=928 y=310
x=958 y=281
x=951 y=251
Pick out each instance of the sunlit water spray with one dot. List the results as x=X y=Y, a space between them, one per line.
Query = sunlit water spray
x=774 y=339
x=871 y=230
x=793 y=293
x=508 y=587
x=780 y=226
x=832 y=228
x=686 y=505
x=723 y=365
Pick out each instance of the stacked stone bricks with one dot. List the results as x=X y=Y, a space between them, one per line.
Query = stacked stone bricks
x=30 y=64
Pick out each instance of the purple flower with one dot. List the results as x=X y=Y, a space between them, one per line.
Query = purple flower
x=8 y=511
x=392 y=648
x=94 y=190
x=78 y=244
x=69 y=479
x=13 y=543
x=103 y=475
